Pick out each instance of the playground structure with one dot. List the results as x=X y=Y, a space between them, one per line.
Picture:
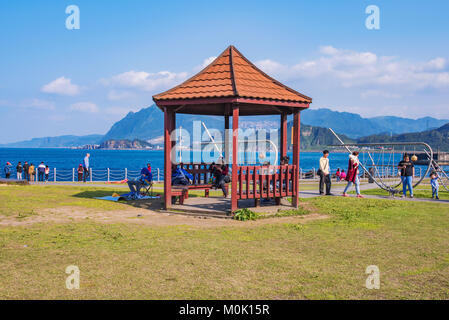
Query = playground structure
x=383 y=171
x=232 y=86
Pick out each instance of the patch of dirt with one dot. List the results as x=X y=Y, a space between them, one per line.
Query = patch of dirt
x=146 y=217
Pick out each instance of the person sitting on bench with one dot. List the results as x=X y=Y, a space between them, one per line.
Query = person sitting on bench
x=221 y=174
x=181 y=177
x=145 y=179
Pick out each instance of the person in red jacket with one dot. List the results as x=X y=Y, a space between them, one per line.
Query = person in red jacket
x=353 y=174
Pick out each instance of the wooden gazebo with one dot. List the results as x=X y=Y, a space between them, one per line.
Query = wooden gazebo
x=232 y=86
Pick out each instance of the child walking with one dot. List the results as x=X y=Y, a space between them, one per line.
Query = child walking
x=435 y=185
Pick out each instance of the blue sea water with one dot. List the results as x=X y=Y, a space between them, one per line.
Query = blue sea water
x=64 y=160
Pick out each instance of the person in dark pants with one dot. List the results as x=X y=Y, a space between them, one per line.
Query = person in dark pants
x=220 y=172
x=7 y=170
x=324 y=173
x=80 y=172
x=407 y=170
x=41 y=171
x=86 y=167
x=19 y=170
x=26 y=168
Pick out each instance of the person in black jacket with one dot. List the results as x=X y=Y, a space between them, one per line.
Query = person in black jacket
x=26 y=167
x=19 y=170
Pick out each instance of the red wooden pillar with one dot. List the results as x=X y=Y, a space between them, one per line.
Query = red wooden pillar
x=226 y=140
x=283 y=135
x=168 y=127
x=296 y=144
x=235 y=144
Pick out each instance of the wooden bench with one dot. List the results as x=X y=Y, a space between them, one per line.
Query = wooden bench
x=181 y=192
x=205 y=187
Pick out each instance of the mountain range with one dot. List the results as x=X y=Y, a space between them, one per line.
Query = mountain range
x=438 y=138
x=147 y=124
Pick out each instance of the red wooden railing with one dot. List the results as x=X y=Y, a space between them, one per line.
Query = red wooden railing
x=258 y=182
x=199 y=171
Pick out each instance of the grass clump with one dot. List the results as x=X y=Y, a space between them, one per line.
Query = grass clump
x=245 y=214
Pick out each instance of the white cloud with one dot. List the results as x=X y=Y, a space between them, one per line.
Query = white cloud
x=379 y=93
x=349 y=68
x=39 y=104
x=89 y=107
x=145 y=81
x=62 y=86
x=208 y=61
x=114 y=95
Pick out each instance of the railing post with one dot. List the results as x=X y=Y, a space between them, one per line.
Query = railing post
x=158 y=175
x=108 y=174
x=90 y=169
x=73 y=174
x=126 y=173
x=54 y=174
x=36 y=176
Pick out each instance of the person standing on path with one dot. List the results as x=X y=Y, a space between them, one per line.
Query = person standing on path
x=435 y=185
x=47 y=173
x=7 y=170
x=31 y=172
x=324 y=173
x=19 y=170
x=407 y=170
x=86 y=167
x=353 y=174
x=80 y=172
x=26 y=168
x=41 y=171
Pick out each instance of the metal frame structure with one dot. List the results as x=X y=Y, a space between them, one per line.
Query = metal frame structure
x=381 y=184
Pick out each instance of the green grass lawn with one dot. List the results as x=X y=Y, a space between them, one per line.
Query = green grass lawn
x=320 y=259
x=422 y=191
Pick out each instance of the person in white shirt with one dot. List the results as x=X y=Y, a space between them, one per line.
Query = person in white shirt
x=324 y=173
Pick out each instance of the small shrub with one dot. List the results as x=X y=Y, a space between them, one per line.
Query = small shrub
x=245 y=214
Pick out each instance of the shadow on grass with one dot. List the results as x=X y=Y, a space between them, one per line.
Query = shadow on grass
x=150 y=204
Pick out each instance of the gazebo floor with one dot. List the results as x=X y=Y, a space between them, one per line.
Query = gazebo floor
x=218 y=207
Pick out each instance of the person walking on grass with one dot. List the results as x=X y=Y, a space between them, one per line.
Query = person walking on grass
x=324 y=173
x=31 y=173
x=435 y=185
x=407 y=170
x=352 y=177
x=86 y=167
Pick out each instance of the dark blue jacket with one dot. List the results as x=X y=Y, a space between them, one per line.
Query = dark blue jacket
x=146 y=176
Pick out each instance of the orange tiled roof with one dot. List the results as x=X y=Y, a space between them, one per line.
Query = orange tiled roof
x=232 y=75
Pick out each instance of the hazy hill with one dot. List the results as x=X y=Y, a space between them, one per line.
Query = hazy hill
x=438 y=139
x=355 y=126
x=66 y=141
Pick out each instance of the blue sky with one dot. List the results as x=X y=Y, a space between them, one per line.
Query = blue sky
x=55 y=81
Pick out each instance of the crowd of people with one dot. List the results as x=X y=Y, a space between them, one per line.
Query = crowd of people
x=406 y=170
x=27 y=171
